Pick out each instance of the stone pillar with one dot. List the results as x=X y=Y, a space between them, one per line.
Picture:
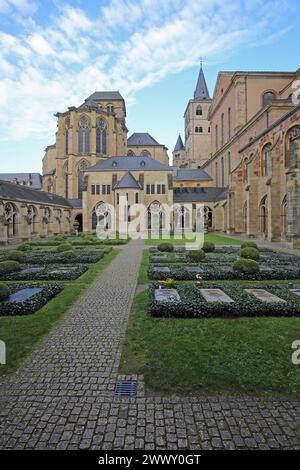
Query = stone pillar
x=293 y=208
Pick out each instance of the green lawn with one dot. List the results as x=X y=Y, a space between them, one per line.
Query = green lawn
x=22 y=333
x=209 y=237
x=190 y=356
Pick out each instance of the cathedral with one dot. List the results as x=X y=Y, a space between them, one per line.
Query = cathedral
x=239 y=157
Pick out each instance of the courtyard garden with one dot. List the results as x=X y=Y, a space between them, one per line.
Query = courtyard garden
x=221 y=319
x=39 y=281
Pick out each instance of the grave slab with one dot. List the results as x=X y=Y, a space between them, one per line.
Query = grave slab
x=216 y=295
x=166 y=295
x=161 y=269
x=295 y=291
x=265 y=296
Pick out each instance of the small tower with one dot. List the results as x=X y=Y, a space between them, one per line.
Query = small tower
x=197 y=125
x=179 y=154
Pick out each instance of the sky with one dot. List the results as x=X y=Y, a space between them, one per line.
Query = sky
x=55 y=53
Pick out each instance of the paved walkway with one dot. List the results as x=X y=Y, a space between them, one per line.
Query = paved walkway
x=63 y=396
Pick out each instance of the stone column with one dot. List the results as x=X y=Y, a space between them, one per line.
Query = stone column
x=293 y=208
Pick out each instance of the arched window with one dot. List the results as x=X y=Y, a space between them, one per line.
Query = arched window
x=268 y=97
x=292 y=159
x=83 y=164
x=263 y=214
x=11 y=219
x=66 y=177
x=84 y=133
x=156 y=217
x=266 y=162
x=101 y=136
x=67 y=124
x=31 y=218
x=222 y=129
x=208 y=217
x=283 y=217
x=199 y=110
x=130 y=153
x=145 y=153
x=110 y=108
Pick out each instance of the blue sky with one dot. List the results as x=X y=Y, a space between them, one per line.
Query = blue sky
x=53 y=54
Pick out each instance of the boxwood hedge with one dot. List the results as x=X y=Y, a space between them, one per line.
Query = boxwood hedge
x=37 y=257
x=213 y=271
x=31 y=305
x=50 y=272
x=193 y=304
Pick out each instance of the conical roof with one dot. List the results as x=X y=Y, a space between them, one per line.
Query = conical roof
x=201 y=91
x=179 y=144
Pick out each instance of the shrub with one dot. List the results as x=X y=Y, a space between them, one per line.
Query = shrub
x=208 y=247
x=60 y=238
x=249 y=253
x=24 y=247
x=64 y=247
x=9 y=266
x=249 y=244
x=16 y=256
x=69 y=255
x=248 y=266
x=196 y=255
x=165 y=246
x=4 y=291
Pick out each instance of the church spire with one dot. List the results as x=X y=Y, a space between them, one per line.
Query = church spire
x=179 y=144
x=201 y=91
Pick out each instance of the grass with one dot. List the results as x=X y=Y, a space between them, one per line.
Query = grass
x=209 y=237
x=143 y=273
x=192 y=356
x=22 y=334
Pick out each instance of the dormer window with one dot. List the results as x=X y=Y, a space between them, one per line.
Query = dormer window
x=114 y=164
x=143 y=163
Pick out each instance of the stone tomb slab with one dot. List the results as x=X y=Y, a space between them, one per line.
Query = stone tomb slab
x=295 y=291
x=194 y=269
x=166 y=295
x=265 y=296
x=161 y=269
x=216 y=295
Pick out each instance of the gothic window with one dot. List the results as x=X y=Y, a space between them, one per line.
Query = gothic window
x=80 y=172
x=266 y=160
x=84 y=133
x=229 y=123
x=199 y=111
x=65 y=172
x=263 y=214
x=208 y=215
x=67 y=124
x=293 y=148
x=222 y=129
x=146 y=153
x=10 y=216
x=130 y=153
x=217 y=137
x=268 y=97
x=101 y=136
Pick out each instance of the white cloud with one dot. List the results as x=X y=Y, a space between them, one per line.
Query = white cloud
x=21 y=6
x=128 y=45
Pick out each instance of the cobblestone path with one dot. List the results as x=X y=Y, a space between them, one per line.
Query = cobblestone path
x=63 y=396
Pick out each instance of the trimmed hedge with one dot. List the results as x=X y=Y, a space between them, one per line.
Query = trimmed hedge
x=24 y=247
x=16 y=255
x=215 y=271
x=196 y=255
x=36 y=257
x=64 y=247
x=250 y=253
x=193 y=305
x=9 y=266
x=246 y=266
x=31 y=305
x=208 y=247
x=4 y=291
x=165 y=247
x=50 y=272
x=249 y=244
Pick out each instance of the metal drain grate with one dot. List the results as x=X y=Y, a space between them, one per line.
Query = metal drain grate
x=126 y=388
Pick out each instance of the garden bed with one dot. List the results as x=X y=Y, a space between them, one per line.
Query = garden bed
x=26 y=298
x=193 y=304
x=51 y=272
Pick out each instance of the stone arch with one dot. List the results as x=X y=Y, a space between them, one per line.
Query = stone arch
x=156 y=216
x=208 y=217
x=130 y=153
x=32 y=214
x=84 y=133
x=145 y=153
x=266 y=162
x=199 y=110
x=101 y=136
x=103 y=216
x=292 y=147
x=267 y=97
x=264 y=216
x=11 y=219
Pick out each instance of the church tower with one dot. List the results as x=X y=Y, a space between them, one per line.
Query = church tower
x=179 y=154
x=197 y=125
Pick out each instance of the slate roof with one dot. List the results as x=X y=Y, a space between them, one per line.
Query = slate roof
x=139 y=163
x=32 y=180
x=142 y=138
x=14 y=192
x=199 y=194
x=76 y=203
x=127 y=181
x=184 y=174
x=201 y=91
x=106 y=96
x=179 y=144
